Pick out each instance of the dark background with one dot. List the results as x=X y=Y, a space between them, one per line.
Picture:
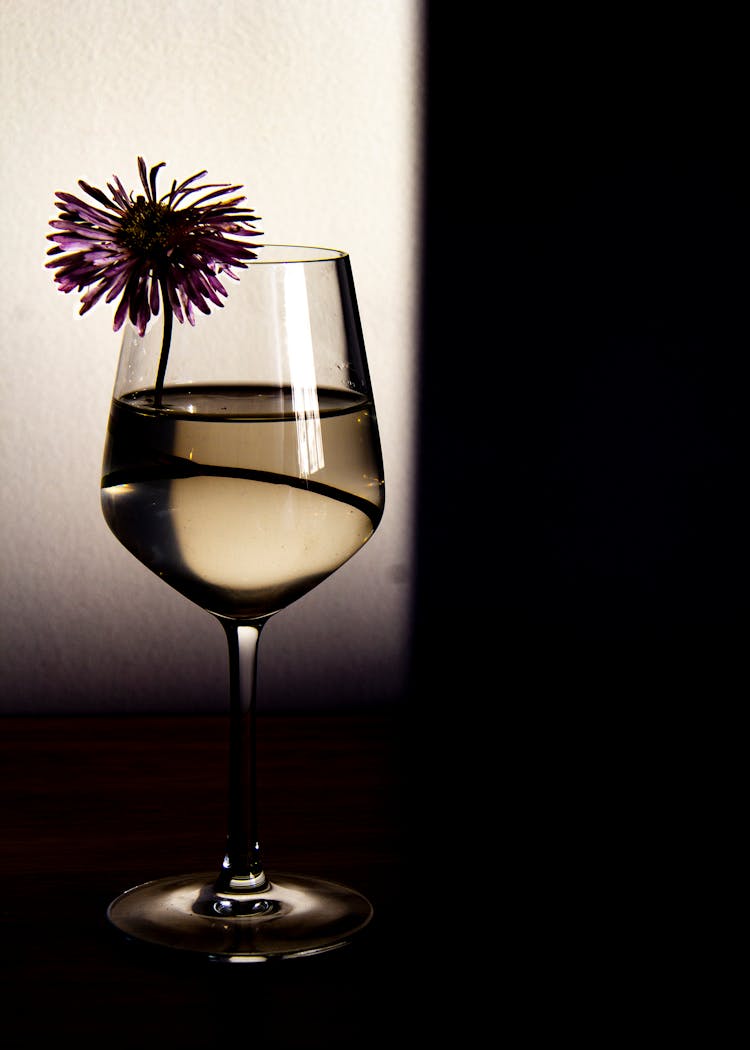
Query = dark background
x=584 y=334
x=581 y=590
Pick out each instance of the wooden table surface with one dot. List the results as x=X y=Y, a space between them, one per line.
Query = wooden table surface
x=506 y=869
x=94 y=805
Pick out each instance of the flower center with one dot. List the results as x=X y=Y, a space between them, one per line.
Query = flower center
x=148 y=228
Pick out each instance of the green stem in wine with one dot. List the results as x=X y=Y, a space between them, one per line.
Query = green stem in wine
x=165 y=344
x=242 y=870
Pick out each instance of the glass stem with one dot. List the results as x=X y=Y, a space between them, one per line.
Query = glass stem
x=242 y=870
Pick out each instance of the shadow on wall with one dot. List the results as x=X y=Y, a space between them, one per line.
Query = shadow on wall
x=582 y=371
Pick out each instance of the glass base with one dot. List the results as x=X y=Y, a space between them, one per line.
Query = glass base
x=292 y=916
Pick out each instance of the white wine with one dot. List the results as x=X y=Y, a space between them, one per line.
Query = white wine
x=242 y=498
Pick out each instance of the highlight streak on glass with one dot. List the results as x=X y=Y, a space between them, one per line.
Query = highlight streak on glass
x=302 y=367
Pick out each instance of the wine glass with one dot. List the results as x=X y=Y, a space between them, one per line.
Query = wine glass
x=243 y=467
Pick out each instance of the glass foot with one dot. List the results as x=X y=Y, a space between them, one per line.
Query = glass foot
x=292 y=916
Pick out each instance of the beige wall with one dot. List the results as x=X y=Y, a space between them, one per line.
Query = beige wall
x=314 y=105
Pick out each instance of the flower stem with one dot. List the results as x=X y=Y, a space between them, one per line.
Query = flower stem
x=166 y=341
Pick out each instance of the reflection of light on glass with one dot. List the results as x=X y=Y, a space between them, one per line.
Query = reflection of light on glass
x=302 y=367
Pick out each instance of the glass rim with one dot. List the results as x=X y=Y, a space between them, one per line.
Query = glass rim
x=287 y=254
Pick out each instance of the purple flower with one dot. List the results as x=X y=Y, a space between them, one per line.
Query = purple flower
x=149 y=249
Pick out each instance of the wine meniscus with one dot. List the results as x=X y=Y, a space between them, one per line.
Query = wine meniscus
x=242 y=498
